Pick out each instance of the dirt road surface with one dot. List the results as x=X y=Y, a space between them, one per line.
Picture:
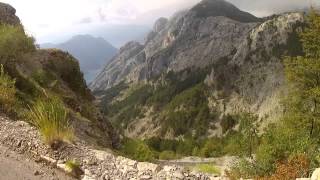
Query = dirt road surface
x=14 y=166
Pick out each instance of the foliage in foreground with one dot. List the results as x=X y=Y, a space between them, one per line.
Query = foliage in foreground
x=51 y=118
x=14 y=43
x=290 y=148
x=7 y=91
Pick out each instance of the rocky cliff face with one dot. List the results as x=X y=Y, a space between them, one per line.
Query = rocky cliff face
x=7 y=15
x=239 y=53
x=194 y=38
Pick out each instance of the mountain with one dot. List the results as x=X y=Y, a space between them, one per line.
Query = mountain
x=197 y=69
x=92 y=53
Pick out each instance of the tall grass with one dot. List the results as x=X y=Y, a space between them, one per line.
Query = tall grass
x=51 y=118
x=7 y=91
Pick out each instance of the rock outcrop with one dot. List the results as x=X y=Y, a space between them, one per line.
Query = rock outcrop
x=8 y=15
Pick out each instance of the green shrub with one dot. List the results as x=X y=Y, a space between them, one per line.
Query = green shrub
x=73 y=168
x=51 y=118
x=208 y=168
x=137 y=150
x=14 y=43
x=212 y=148
x=167 y=155
x=7 y=91
x=44 y=78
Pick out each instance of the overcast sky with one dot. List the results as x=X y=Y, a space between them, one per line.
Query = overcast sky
x=47 y=19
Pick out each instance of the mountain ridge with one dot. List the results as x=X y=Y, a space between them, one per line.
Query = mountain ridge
x=92 y=52
x=236 y=64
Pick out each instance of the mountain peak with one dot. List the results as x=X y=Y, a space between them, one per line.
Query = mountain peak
x=207 y=8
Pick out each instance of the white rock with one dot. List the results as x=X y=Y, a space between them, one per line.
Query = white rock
x=102 y=155
x=168 y=168
x=86 y=177
x=145 y=177
x=48 y=159
x=316 y=174
x=145 y=166
x=178 y=175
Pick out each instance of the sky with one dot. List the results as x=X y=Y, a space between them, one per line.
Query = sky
x=56 y=20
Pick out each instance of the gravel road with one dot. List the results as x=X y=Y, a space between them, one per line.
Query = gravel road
x=14 y=166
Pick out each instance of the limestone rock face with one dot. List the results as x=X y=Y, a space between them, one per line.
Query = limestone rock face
x=188 y=39
x=128 y=58
x=243 y=54
x=7 y=15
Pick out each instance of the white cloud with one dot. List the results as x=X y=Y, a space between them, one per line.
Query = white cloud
x=47 y=19
x=63 y=15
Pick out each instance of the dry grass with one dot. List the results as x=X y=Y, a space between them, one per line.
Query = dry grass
x=51 y=118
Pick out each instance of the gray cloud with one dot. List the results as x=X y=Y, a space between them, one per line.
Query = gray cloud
x=268 y=7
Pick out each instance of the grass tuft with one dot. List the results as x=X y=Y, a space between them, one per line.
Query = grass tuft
x=74 y=168
x=51 y=118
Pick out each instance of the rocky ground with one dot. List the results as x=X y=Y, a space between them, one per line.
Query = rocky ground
x=20 y=138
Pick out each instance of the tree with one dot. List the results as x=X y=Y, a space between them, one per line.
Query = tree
x=248 y=128
x=303 y=75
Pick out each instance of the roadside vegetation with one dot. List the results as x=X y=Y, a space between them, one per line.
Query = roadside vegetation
x=8 y=91
x=51 y=118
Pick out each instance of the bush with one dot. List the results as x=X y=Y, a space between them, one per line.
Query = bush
x=208 y=168
x=51 y=118
x=13 y=43
x=212 y=148
x=137 y=150
x=7 y=91
x=295 y=167
x=167 y=155
x=73 y=167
